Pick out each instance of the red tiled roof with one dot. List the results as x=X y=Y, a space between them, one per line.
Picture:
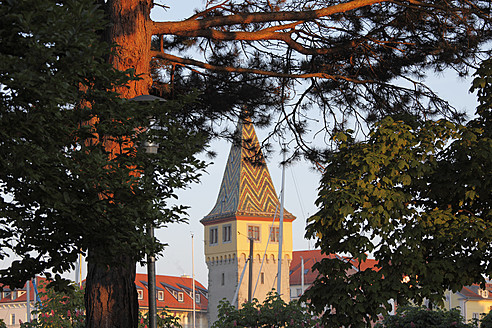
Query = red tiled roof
x=22 y=298
x=169 y=283
x=310 y=258
x=368 y=263
x=472 y=292
x=313 y=256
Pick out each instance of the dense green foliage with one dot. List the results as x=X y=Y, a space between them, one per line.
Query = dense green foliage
x=272 y=313
x=486 y=322
x=419 y=317
x=63 y=190
x=164 y=320
x=59 y=309
x=416 y=195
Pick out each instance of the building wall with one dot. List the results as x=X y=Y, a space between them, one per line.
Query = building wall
x=220 y=249
x=222 y=283
x=17 y=309
x=475 y=308
x=226 y=260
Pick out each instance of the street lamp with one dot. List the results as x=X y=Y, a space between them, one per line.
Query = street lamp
x=150 y=148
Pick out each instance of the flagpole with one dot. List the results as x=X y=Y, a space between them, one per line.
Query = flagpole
x=193 y=275
x=281 y=230
x=28 y=301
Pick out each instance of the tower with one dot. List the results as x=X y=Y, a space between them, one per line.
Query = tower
x=247 y=206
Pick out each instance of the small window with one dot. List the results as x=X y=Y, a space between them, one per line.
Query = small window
x=274 y=233
x=197 y=298
x=299 y=291
x=226 y=233
x=262 y=278
x=254 y=232
x=12 y=318
x=476 y=315
x=180 y=297
x=140 y=294
x=223 y=279
x=160 y=295
x=214 y=236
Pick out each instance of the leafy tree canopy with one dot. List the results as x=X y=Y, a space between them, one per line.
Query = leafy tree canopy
x=273 y=312
x=415 y=195
x=417 y=317
x=486 y=322
x=59 y=309
x=72 y=150
x=164 y=320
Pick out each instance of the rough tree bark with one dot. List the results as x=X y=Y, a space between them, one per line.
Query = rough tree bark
x=111 y=296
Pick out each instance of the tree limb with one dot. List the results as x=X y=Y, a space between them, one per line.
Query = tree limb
x=193 y=62
x=266 y=34
x=258 y=17
x=206 y=11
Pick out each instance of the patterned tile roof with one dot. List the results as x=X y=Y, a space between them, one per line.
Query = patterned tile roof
x=247 y=188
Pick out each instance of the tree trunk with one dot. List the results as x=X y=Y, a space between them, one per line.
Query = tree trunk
x=131 y=30
x=111 y=296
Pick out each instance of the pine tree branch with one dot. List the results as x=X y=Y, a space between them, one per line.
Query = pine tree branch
x=160 y=28
x=206 y=11
x=269 y=34
x=193 y=62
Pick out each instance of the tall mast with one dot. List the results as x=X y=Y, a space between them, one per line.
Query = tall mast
x=193 y=276
x=28 y=302
x=281 y=230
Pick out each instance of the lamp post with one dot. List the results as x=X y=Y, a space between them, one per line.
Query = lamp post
x=150 y=148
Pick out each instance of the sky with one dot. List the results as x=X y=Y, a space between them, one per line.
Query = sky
x=301 y=179
x=301 y=184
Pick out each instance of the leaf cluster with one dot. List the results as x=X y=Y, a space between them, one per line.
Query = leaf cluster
x=273 y=312
x=416 y=196
x=74 y=172
x=59 y=308
x=419 y=317
x=164 y=320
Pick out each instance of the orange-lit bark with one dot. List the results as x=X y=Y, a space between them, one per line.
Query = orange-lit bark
x=111 y=297
x=190 y=26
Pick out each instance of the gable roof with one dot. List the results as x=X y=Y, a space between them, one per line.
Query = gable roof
x=40 y=281
x=170 y=284
x=311 y=257
x=247 y=188
x=472 y=292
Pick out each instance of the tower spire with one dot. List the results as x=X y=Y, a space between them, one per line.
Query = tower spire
x=244 y=215
x=247 y=188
